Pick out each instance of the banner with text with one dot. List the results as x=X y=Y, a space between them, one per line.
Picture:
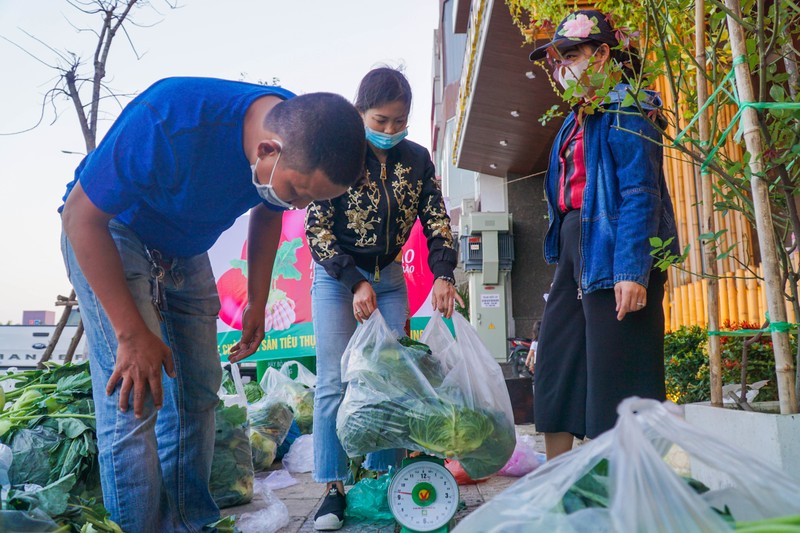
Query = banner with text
x=289 y=333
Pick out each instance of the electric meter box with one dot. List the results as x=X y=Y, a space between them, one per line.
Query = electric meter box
x=471 y=252
x=487 y=252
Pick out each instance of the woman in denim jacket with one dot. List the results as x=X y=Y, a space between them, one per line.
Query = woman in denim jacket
x=602 y=334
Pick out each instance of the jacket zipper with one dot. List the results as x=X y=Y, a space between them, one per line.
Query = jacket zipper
x=388 y=218
x=580 y=214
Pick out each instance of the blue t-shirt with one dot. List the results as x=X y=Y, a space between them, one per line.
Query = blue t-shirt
x=173 y=167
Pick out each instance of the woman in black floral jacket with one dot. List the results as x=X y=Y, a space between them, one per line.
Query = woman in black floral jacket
x=355 y=240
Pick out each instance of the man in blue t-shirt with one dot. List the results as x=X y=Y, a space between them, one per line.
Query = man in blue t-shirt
x=180 y=164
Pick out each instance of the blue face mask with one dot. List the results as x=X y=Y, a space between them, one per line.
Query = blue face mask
x=266 y=192
x=384 y=141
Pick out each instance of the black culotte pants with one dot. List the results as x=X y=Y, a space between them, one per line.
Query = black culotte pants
x=587 y=361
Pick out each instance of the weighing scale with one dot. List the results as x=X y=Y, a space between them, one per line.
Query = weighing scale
x=423 y=495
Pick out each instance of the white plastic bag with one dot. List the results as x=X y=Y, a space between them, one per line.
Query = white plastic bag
x=646 y=495
x=297 y=394
x=300 y=457
x=279 y=479
x=273 y=517
x=445 y=397
x=304 y=375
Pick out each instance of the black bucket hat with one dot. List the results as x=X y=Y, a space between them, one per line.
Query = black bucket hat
x=582 y=26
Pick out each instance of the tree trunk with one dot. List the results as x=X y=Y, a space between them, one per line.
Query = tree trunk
x=707 y=222
x=48 y=353
x=784 y=362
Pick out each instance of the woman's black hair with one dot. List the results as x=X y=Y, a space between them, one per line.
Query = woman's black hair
x=381 y=86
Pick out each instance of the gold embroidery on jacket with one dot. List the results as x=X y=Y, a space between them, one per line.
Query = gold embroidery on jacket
x=362 y=216
x=322 y=239
x=438 y=221
x=407 y=203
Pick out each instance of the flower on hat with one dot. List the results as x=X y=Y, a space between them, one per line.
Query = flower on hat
x=579 y=27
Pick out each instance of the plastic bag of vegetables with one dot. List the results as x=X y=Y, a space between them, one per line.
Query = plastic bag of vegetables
x=619 y=482
x=269 y=423
x=298 y=393
x=441 y=396
x=232 y=466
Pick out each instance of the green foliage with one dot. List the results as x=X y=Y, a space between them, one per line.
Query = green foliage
x=48 y=422
x=686 y=363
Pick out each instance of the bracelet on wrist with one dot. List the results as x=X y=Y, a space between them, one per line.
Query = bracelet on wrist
x=448 y=279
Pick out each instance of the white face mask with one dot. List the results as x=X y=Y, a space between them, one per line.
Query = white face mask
x=573 y=72
x=266 y=192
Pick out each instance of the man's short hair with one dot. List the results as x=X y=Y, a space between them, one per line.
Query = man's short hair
x=321 y=131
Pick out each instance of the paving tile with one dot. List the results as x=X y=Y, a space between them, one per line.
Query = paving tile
x=300 y=506
x=295 y=523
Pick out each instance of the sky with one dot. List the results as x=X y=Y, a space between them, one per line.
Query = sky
x=309 y=45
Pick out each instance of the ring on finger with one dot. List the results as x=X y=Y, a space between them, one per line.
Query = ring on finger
x=640 y=304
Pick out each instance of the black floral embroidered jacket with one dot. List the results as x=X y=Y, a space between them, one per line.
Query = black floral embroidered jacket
x=369 y=224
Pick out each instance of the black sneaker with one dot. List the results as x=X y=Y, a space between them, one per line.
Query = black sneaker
x=330 y=516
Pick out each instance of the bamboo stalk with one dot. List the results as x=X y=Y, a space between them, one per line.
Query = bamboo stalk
x=733 y=301
x=724 y=315
x=784 y=362
x=685 y=305
x=698 y=298
x=752 y=301
x=741 y=296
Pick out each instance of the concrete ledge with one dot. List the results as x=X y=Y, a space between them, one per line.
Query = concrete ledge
x=773 y=438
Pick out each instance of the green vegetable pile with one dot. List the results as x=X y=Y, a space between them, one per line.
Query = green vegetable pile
x=398 y=398
x=592 y=491
x=48 y=422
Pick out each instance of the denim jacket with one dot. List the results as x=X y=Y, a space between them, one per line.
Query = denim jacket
x=625 y=200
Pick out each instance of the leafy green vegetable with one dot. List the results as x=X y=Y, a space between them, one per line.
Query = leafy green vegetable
x=253 y=392
x=449 y=430
x=232 y=465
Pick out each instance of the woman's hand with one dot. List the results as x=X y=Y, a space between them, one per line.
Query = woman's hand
x=364 y=301
x=444 y=294
x=631 y=297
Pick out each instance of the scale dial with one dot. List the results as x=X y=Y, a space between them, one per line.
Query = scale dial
x=423 y=496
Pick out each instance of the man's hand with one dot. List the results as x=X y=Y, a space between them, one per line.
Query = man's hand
x=252 y=334
x=139 y=362
x=364 y=301
x=630 y=296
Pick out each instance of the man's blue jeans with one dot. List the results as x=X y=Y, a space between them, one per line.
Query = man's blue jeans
x=155 y=470
x=334 y=324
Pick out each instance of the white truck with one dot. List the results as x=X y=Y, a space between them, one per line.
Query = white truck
x=24 y=346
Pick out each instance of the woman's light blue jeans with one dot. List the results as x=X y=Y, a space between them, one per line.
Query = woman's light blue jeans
x=155 y=470
x=334 y=324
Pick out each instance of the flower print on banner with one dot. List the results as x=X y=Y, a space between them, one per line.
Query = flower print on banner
x=579 y=27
